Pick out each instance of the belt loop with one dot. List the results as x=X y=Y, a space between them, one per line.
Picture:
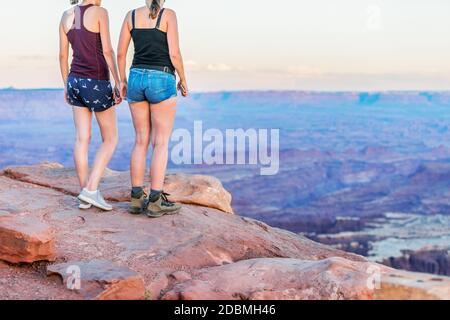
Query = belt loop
x=166 y=69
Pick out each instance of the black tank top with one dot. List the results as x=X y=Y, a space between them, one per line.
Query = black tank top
x=150 y=46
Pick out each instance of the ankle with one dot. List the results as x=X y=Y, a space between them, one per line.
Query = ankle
x=137 y=192
x=154 y=195
x=88 y=190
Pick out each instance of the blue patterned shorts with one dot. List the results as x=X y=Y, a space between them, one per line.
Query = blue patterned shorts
x=96 y=95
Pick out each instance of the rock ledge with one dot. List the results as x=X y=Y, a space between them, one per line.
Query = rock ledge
x=202 y=253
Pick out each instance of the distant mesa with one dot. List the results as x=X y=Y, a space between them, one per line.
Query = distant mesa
x=367 y=98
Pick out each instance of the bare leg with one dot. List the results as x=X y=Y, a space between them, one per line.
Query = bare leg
x=140 y=113
x=83 y=125
x=163 y=117
x=108 y=128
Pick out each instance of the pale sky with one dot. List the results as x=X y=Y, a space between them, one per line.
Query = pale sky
x=261 y=44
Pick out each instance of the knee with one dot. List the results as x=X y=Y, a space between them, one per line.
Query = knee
x=83 y=139
x=115 y=141
x=160 y=143
x=142 y=140
x=112 y=141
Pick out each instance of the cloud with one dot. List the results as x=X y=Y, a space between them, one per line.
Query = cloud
x=219 y=67
x=29 y=61
x=192 y=65
x=34 y=58
x=304 y=71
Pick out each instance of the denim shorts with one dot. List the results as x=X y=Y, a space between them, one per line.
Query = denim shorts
x=150 y=85
x=96 y=95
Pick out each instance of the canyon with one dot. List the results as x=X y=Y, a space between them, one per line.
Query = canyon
x=364 y=172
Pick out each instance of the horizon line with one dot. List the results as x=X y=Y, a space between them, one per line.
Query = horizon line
x=265 y=90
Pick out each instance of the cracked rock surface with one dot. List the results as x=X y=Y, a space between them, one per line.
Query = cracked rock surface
x=202 y=249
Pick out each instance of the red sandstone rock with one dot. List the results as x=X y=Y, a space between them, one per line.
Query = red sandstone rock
x=25 y=239
x=278 y=279
x=100 y=280
x=181 y=251
x=156 y=287
x=293 y=279
x=189 y=189
x=180 y=276
x=198 y=189
x=403 y=285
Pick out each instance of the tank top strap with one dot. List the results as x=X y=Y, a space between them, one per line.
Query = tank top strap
x=159 y=18
x=133 y=19
x=81 y=12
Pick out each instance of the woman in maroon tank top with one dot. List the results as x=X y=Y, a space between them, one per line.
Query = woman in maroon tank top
x=88 y=90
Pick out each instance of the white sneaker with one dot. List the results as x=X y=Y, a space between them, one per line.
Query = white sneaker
x=84 y=205
x=95 y=198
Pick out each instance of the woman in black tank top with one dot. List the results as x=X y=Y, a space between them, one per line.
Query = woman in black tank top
x=151 y=91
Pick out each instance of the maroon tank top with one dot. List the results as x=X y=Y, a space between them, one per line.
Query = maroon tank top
x=88 y=60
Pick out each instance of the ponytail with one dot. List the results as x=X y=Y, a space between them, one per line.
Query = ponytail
x=154 y=6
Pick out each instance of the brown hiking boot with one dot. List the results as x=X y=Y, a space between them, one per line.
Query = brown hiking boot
x=138 y=202
x=161 y=206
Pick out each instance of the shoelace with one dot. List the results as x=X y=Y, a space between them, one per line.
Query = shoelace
x=166 y=201
x=146 y=200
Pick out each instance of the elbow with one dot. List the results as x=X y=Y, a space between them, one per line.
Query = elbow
x=63 y=57
x=175 y=56
x=121 y=55
x=109 y=53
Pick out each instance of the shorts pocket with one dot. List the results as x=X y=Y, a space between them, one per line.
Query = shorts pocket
x=133 y=80
x=172 y=82
x=134 y=84
x=158 y=83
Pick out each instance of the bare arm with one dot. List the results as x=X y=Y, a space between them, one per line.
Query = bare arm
x=63 y=52
x=122 y=50
x=108 y=50
x=175 y=52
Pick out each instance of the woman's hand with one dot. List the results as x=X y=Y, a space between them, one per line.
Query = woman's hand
x=66 y=95
x=182 y=86
x=123 y=88
x=117 y=95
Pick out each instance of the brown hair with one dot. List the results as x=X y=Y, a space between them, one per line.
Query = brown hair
x=154 y=6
